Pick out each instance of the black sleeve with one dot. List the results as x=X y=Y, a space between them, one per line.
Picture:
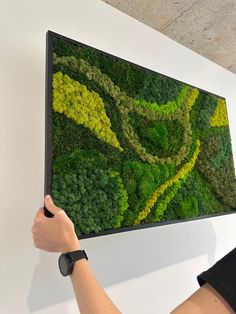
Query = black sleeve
x=222 y=277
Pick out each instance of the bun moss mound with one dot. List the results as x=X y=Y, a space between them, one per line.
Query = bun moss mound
x=94 y=198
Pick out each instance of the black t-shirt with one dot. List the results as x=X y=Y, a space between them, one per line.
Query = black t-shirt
x=222 y=277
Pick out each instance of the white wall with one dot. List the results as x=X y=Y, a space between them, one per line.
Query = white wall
x=146 y=271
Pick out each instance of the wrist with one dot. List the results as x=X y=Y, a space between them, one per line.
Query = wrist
x=72 y=245
x=79 y=265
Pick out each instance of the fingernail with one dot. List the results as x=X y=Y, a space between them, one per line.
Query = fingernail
x=47 y=197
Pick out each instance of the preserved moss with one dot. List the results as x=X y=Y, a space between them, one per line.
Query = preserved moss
x=131 y=146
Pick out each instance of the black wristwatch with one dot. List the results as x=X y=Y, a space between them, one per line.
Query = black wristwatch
x=66 y=261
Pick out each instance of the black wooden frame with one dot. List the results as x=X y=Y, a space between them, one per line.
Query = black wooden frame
x=48 y=137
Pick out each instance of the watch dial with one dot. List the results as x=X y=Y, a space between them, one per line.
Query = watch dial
x=63 y=265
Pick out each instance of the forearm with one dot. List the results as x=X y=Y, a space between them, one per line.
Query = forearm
x=90 y=296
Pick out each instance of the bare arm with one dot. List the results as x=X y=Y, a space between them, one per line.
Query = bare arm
x=57 y=235
x=204 y=301
x=90 y=296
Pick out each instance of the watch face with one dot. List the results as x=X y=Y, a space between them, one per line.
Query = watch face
x=64 y=265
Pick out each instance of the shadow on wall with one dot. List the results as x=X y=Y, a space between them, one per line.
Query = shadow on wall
x=120 y=257
x=48 y=287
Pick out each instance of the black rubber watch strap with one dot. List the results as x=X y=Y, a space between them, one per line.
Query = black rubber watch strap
x=77 y=255
x=66 y=261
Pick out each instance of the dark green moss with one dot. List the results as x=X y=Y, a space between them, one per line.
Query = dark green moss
x=201 y=200
x=206 y=105
x=90 y=194
x=159 y=88
x=124 y=74
x=90 y=197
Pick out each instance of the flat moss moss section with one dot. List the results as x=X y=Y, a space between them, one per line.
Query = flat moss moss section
x=133 y=147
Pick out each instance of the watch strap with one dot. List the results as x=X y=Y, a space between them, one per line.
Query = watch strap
x=77 y=255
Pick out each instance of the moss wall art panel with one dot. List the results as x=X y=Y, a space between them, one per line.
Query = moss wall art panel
x=128 y=148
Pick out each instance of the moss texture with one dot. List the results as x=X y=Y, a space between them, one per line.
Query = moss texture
x=133 y=147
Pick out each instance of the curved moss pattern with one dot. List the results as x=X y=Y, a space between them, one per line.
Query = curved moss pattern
x=131 y=146
x=180 y=176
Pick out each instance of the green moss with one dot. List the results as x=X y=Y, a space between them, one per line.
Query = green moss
x=195 y=188
x=162 y=138
x=124 y=74
x=157 y=122
x=158 y=133
x=158 y=88
x=188 y=208
x=68 y=136
x=79 y=159
x=206 y=105
x=64 y=48
x=221 y=179
x=223 y=154
x=166 y=108
x=140 y=181
x=82 y=106
x=95 y=199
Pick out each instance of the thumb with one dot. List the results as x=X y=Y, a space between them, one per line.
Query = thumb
x=50 y=205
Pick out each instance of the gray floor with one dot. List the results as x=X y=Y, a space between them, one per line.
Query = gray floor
x=205 y=26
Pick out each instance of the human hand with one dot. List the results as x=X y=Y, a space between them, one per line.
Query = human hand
x=56 y=234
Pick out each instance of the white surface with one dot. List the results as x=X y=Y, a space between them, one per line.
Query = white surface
x=147 y=271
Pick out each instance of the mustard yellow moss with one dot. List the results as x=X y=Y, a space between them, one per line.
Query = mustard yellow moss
x=220 y=117
x=181 y=174
x=83 y=106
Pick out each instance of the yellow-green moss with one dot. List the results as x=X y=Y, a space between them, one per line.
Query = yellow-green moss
x=181 y=174
x=83 y=106
x=220 y=117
